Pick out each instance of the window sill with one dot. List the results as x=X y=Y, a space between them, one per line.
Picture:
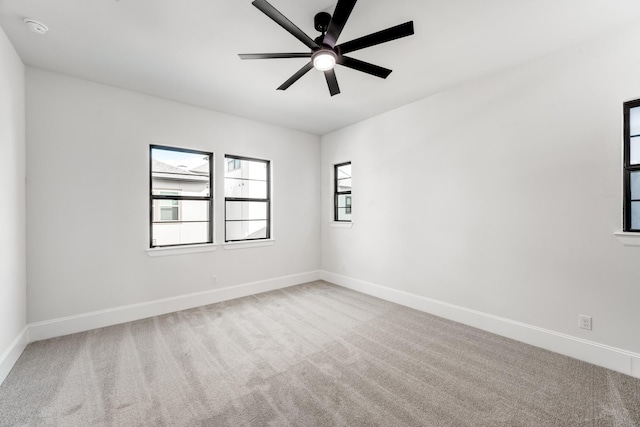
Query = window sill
x=248 y=244
x=341 y=224
x=181 y=250
x=627 y=238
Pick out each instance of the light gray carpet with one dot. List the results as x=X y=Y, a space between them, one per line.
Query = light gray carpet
x=310 y=355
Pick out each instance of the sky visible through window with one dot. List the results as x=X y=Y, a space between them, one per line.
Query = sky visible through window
x=178 y=159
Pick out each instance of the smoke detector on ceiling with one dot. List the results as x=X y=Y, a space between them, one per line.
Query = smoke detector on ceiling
x=35 y=26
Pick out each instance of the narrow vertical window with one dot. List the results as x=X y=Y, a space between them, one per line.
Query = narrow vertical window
x=632 y=166
x=180 y=196
x=247 y=199
x=342 y=192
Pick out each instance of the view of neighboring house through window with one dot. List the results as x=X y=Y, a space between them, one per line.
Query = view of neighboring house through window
x=169 y=208
x=232 y=164
x=181 y=200
x=247 y=199
x=342 y=192
x=632 y=166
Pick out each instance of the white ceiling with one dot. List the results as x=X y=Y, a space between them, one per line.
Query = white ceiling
x=187 y=50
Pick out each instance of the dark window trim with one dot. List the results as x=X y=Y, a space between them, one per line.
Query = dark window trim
x=628 y=167
x=337 y=194
x=153 y=197
x=266 y=200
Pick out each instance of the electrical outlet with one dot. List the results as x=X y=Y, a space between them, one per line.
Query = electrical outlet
x=214 y=280
x=584 y=322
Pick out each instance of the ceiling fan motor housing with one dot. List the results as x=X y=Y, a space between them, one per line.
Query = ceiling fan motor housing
x=321 y=21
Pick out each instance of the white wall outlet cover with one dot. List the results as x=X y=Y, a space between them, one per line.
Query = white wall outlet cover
x=584 y=322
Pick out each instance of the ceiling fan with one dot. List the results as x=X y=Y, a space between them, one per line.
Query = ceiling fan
x=325 y=53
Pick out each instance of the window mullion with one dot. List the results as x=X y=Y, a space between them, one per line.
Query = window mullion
x=156 y=197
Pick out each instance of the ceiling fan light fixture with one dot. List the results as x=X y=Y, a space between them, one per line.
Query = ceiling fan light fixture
x=324 y=59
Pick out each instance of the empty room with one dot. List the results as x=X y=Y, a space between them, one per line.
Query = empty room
x=308 y=213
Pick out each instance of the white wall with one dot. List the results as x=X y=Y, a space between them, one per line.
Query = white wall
x=501 y=195
x=88 y=212
x=13 y=285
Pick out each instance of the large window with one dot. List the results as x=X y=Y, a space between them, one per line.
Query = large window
x=180 y=196
x=247 y=199
x=342 y=192
x=632 y=166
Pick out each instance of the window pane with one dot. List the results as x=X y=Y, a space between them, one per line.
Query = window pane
x=344 y=171
x=168 y=213
x=164 y=203
x=344 y=214
x=344 y=178
x=186 y=223
x=246 y=210
x=634 y=151
x=635 y=215
x=232 y=164
x=187 y=210
x=344 y=184
x=344 y=201
x=186 y=174
x=344 y=208
x=635 y=185
x=242 y=230
x=179 y=233
x=236 y=187
x=247 y=169
x=246 y=178
x=634 y=121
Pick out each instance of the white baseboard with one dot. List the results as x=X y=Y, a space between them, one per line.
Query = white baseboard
x=113 y=316
x=635 y=366
x=10 y=356
x=599 y=354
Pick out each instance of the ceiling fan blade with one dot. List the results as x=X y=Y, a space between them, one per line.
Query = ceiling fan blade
x=365 y=67
x=281 y=20
x=332 y=81
x=273 y=55
x=339 y=18
x=301 y=72
x=383 y=36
